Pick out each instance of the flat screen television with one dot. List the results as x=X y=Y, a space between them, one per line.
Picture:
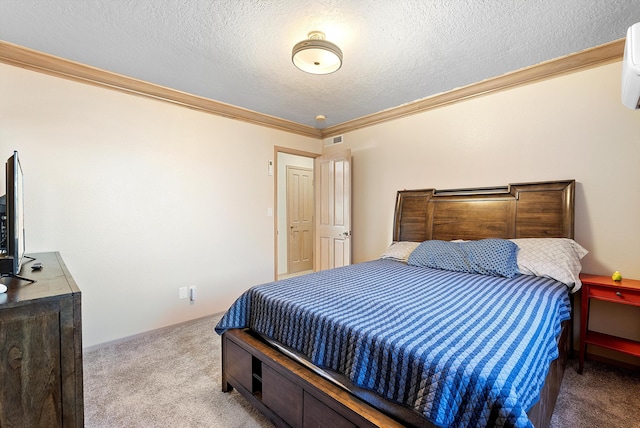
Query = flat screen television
x=13 y=220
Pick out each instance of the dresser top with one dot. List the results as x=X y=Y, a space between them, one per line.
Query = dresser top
x=53 y=280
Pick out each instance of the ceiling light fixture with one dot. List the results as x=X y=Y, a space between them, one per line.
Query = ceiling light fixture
x=317 y=55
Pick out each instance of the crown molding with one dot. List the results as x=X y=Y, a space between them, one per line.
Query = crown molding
x=49 y=64
x=588 y=58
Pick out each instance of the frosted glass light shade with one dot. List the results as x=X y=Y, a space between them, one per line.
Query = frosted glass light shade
x=317 y=56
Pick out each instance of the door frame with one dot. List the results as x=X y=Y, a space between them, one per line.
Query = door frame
x=290 y=151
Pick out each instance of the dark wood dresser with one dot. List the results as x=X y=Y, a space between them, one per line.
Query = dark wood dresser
x=41 y=347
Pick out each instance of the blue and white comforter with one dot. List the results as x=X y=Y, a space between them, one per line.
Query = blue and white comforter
x=464 y=350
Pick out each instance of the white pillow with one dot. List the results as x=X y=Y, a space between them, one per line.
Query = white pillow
x=400 y=251
x=557 y=258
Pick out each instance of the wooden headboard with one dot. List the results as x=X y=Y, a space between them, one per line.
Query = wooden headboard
x=526 y=210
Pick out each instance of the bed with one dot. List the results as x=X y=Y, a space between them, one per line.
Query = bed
x=455 y=325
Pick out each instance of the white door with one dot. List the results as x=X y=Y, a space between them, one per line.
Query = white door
x=299 y=218
x=333 y=210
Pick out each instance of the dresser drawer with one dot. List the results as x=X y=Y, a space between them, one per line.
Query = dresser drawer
x=622 y=296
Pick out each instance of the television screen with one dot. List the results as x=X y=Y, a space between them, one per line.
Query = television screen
x=14 y=216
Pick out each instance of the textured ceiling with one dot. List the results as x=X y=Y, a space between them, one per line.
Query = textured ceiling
x=239 y=51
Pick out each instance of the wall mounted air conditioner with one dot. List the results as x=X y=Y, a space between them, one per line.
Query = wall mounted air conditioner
x=631 y=68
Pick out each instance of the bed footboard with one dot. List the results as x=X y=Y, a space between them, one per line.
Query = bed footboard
x=290 y=394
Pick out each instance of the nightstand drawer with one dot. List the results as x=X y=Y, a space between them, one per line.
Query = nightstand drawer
x=622 y=296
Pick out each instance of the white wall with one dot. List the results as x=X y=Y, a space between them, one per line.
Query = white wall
x=141 y=197
x=572 y=126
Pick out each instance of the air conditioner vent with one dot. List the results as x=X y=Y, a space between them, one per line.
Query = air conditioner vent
x=338 y=139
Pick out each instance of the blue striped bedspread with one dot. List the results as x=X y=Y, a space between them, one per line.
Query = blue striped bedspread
x=463 y=350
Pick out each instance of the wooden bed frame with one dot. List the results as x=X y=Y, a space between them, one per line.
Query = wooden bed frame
x=290 y=394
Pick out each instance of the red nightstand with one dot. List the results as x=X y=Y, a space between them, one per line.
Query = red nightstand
x=626 y=292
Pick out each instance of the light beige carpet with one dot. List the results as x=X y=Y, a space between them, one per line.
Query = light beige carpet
x=168 y=378
x=171 y=378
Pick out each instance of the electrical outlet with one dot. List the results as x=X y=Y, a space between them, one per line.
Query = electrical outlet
x=182 y=293
x=192 y=293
